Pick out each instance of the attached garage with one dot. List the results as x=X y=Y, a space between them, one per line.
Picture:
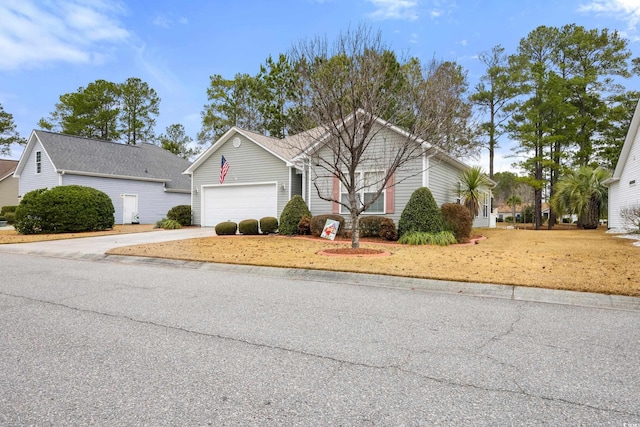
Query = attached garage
x=238 y=202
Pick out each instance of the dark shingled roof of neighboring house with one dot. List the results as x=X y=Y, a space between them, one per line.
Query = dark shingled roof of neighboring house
x=75 y=154
x=7 y=167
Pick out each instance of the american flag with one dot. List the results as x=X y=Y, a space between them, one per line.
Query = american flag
x=224 y=168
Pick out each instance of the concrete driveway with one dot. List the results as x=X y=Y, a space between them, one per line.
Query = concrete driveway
x=95 y=247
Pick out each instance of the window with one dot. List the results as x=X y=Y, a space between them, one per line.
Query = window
x=368 y=183
x=485 y=205
x=38 y=161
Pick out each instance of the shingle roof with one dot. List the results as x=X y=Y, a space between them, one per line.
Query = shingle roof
x=147 y=161
x=7 y=167
x=286 y=151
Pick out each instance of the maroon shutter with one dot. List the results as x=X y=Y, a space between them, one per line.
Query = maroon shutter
x=335 y=195
x=391 y=190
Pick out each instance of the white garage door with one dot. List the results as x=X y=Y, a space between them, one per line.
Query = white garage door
x=238 y=202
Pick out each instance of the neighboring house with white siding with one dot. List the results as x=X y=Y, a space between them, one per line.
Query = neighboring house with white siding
x=624 y=184
x=143 y=181
x=8 y=184
x=265 y=173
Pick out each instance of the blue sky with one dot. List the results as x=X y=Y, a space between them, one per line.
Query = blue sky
x=52 y=47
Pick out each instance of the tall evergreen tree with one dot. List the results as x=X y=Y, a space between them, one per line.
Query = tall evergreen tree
x=495 y=90
x=140 y=107
x=177 y=141
x=232 y=103
x=8 y=133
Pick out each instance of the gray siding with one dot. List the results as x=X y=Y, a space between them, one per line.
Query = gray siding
x=153 y=201
x=296 y=183
x=30 y=180
x=441 y=178
x=248 y=164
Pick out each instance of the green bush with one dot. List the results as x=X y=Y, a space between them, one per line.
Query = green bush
x=318 y=222
x=180 y=213
x=64 y=209
x=527 y=214
x=291 y=215
x=227 y=228
x=171 y=224
x=10 y=217
x=369 y=226
x=421 y=214
x=8 y=209
x=248 y=227
x=268 y=224
x=388 y=229
x=458 y=219
x=442 y=238
x=159 y=223
x=304 y=226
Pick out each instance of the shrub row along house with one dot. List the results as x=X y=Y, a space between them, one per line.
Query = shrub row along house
x=242 y=175
x=249 y=175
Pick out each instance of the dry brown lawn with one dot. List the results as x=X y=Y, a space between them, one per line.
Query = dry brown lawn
x=12 y=236
x=579 y=260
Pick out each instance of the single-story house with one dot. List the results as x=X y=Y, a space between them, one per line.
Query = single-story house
x=247 y=175
x=624 y=184
x=143 y=181
x=8 y=184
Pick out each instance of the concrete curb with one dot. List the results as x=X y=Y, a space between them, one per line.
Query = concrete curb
x=517 y=293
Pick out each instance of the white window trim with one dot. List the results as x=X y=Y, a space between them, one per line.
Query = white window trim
x=485 y=204
x=38 y=162
x=383 y=195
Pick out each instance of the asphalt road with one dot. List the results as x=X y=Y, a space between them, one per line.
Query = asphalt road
x=115 y=342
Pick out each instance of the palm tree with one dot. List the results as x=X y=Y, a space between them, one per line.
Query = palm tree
x=472 y=181
x=581 y=192
x=512 y=201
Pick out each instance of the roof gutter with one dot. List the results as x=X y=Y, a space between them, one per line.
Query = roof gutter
x=106 y=175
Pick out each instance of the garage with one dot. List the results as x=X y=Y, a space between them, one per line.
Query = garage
x=238 y=202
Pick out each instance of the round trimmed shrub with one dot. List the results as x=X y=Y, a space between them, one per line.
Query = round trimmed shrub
x=268 y=224
x=421 y=214
x=291 y=215
x=458 y=219
x=318 y=222
x=227 y=228
x=64 y=209
x=248 y=227
x=181 y=214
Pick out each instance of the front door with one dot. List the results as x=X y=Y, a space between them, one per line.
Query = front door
x=130 y=209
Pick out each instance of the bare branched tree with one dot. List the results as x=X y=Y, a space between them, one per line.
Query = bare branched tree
x=631 y=217
x=352 y=92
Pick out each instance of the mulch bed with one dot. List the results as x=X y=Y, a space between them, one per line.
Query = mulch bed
x=359 y=252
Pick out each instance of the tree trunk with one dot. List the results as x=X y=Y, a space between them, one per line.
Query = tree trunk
x=593 y=215
x=355 y=231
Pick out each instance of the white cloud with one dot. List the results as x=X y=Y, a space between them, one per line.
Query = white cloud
x=395 y=9
x=166 y=22
x=625 y=10
x=35 y=33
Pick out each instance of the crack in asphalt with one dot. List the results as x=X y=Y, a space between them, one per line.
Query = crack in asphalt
x=341 y=363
